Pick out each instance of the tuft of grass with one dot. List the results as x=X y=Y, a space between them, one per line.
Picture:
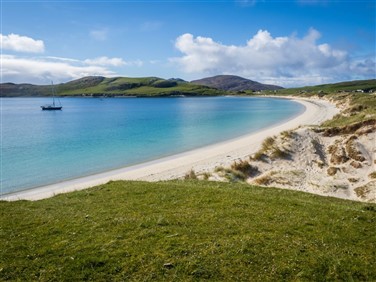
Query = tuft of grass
x=267 y=144
x=372 y=175
x=245 y=167
x=278 y=153
x=206 y=175
x=238 y=171
x=258 y=156
x=219 y=169
x=233 y=175
x=265 y=179
x=190 y=175
x=287 y=134
x=187 y=231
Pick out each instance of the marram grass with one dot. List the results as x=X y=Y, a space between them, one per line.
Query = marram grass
x=187 y=231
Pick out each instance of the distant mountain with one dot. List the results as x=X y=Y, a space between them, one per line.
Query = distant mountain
x=97 y=86
x=234 y=83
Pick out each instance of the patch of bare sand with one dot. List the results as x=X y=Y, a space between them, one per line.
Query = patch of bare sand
x=341 y=166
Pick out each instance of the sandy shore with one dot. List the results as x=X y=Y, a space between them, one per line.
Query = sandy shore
x=203 y=159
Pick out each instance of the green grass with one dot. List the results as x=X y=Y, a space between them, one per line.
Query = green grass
x=187 y=230
x=362 y=108
x=366 y=85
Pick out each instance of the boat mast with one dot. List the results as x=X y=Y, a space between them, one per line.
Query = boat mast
x=53 y=93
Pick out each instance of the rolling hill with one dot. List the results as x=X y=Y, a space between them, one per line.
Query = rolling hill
x=234 y=83
x=110 y=87
x=366 y=86
x=98 y=86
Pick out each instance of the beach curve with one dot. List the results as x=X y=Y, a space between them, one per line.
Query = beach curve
x=201 y=159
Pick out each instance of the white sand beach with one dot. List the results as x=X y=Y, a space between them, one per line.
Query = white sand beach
x=200 y=160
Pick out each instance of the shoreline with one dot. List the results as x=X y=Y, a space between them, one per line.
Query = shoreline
x=200 y=160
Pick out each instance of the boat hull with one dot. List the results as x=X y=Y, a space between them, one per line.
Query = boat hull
x=51 y=108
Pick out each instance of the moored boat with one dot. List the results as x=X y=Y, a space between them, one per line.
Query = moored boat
x=53 y=106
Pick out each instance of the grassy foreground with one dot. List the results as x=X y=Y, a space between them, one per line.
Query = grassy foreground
x=187 y=230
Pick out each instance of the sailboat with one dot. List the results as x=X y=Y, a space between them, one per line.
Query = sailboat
x=53 y=106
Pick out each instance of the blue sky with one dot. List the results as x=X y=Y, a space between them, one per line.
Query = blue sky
x=289 y=43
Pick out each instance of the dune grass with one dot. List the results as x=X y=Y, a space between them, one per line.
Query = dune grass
x=187 y=230
x=362 y=108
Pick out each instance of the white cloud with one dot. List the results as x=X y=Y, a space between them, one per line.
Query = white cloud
x=115 y=62
x=41 y=70
x=18 y=43
x=99 y=34
x=285 y=60
x=105 y=61
x=52 y=58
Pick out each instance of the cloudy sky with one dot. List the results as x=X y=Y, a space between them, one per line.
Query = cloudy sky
x=283 y=42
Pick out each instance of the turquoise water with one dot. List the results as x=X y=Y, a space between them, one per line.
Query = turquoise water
x=95 y=135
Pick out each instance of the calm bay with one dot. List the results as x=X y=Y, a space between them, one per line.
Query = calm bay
x=94 y=135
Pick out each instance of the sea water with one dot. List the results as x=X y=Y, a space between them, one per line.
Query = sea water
x=92 y=135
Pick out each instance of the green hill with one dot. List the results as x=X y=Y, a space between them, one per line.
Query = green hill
x=234 y=83
x=365 y=86
x=155 y=86
x=110 y=87
x=187 y=231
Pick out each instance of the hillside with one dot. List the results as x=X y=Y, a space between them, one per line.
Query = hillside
x=360 y=86
x=154 y=86
x=110 y=87
x=187 y=231
x=234 y=83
